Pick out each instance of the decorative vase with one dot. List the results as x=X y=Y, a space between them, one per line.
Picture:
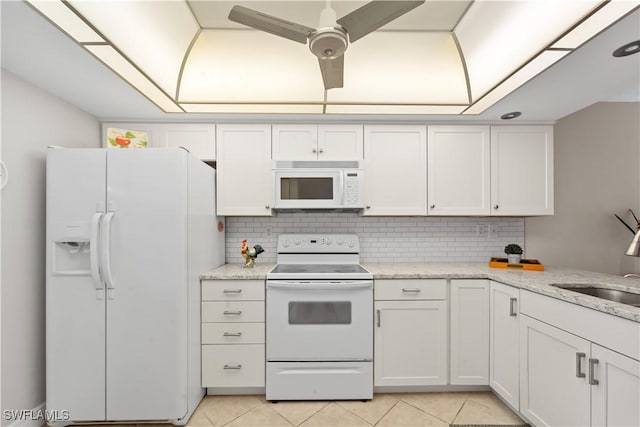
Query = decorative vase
x=514 y=258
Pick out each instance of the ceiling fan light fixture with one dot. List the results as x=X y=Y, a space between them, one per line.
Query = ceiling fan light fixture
x=328 y=43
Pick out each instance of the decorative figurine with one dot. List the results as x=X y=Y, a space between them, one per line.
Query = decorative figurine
x=250 y=254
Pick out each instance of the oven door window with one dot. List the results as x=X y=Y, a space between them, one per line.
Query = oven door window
x=320 y=312
x=303 y=188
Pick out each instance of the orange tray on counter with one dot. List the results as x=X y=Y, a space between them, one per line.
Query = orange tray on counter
x=524 y=264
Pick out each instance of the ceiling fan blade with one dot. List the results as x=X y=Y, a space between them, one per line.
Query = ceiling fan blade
x=374 y=15
x=332 y=71
x=270 y=24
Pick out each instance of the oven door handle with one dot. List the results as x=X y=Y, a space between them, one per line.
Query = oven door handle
x=319 y=285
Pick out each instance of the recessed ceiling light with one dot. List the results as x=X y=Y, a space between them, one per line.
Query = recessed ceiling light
x=627 y=49
x=511 y=115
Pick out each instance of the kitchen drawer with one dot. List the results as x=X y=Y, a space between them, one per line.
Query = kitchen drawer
x=233 y=333
x=410 y=289
x=233 y=365
x=231 y=290
x=233 y=311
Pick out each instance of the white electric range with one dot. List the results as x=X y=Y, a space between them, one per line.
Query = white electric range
x=319 y=320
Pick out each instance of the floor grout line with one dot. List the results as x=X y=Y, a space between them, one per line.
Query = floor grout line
x=386 y=413
x=429 y=413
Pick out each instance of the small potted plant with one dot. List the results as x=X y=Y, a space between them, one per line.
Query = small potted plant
x=514 y=252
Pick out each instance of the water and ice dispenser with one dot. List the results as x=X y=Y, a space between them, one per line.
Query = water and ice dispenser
x=71 y=251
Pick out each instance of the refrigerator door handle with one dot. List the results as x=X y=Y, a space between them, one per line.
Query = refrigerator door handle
x=94 y=254
x=106 y=256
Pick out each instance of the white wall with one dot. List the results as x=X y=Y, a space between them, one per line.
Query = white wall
x=597 y=164
x=31 y=120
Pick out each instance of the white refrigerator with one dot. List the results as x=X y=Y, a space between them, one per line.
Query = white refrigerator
x=128 y=234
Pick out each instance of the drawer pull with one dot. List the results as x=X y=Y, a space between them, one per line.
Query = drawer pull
x=232 y=366
x=232 y=313
x=232 y=291
x=378 y=323
x=411 y=290
x=232 y=334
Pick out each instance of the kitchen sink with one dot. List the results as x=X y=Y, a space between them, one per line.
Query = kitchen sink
x=616 y=295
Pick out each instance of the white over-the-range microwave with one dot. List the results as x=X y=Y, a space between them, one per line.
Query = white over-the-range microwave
x=318 y=184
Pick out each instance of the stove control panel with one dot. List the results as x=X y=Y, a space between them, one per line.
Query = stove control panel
x=319 y=243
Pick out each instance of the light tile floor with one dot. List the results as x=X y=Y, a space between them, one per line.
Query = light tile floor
x=385 y=410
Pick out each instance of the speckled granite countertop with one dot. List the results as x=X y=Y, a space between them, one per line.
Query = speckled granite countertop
x=535 y=281
x=238 y=272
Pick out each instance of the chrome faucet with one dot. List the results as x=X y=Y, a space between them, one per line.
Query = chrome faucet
x=632 y=275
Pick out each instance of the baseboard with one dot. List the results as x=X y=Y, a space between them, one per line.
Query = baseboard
x=36 y=417
x=429 y=388
x=235 y=390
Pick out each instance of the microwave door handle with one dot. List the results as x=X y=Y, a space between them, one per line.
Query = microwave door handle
x=341 y=187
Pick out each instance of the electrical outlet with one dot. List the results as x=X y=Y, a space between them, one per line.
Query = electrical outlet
x=482 y=230
x=493 y=232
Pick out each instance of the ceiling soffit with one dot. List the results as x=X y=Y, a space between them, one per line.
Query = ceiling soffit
x=444 y=57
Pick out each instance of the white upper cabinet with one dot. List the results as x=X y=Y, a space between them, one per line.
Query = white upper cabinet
x=244 y=170
x=521 y=170
x=395 y=160
x=317 y=142
x=198 y=138
x=458 y=170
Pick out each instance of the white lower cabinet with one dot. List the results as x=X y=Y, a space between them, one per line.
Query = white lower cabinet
x=504 y=343
x=410 y=339
x=567 y=380
x=469 y=355
x=553 y=374
x=233 y=333
x=615 y=400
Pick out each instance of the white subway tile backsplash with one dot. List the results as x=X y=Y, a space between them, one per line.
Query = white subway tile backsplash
x=382 y=239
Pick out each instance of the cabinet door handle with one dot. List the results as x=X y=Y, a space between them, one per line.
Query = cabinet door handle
x=368 y=207
x=321 y=150
x=232 y=291
x=410 y=290
x=234 y=313
x=432 y=206
x=579 y=357
x=267 y=206
x=232 y=366
x=496 y=206
x=232 y=334
x=592 y=371
x=378 y=322
x=512 y=310
x=313 y=150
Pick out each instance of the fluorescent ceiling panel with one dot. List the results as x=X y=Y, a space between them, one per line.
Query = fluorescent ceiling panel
x=498 y=37
x=68 y=21
x=227 y=66
x=120 y=65
x=433 y=15
x=600 y=20
x=154 y=34
x=532 y=69
x=395 y=109
x=403 y=67
x=253 y=108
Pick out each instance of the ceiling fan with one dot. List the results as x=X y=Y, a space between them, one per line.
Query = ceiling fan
x=332 y=38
